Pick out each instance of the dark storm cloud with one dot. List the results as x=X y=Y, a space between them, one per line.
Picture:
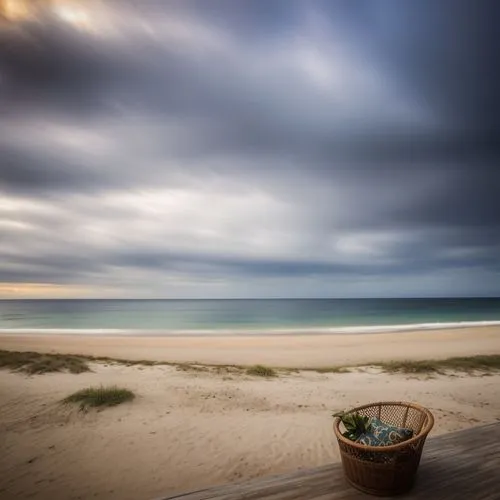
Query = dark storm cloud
x=438 y=59
x=226 y=264
x=471 y=201
x=444 y=50
x=24 y=171
x=453 y=58
x=46 y=65
x=43 y=274
x=297 y=268
x=221 y=101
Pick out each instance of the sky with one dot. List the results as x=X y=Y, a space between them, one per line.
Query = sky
x=250 y=148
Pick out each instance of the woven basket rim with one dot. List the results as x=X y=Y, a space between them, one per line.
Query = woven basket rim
x=429 y=423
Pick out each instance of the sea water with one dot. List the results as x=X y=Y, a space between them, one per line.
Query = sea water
x=257 y=316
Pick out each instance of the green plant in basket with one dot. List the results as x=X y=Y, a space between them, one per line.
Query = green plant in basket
x=355 y=424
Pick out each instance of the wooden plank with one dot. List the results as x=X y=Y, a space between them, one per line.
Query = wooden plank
x=461 y=464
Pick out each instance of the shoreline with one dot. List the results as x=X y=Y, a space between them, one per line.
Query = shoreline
x=280 y=351
x=254 y=332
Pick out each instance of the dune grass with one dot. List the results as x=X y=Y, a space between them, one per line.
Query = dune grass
x=261 y=371
x=37 y=363
x=483 y=363
x=100 y=397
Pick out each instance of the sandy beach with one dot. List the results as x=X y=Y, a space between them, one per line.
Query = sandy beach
x=187 y=429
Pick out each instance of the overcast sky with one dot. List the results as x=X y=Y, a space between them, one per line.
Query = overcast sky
x=254 y=148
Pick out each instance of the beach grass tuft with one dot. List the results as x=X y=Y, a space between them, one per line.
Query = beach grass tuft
x=409 y=366
x=261 y=371
x=188 y=367
x=100 y=397
x=333 y=369
x=38 y=363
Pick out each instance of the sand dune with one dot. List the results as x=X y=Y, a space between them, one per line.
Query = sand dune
x=190 y=430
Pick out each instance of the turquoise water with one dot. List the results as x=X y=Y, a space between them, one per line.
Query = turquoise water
x=240 y=316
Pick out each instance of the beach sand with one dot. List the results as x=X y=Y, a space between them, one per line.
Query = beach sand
x=188 y=430
x=276 y=350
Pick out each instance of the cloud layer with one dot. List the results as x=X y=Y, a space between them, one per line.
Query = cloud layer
x=236 y=149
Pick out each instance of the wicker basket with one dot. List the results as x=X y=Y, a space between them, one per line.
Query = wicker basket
x=386 y=470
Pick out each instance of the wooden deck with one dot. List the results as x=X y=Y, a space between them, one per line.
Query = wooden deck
x=460 y=465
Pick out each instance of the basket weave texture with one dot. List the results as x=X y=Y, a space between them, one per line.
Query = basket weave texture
x=386 y=470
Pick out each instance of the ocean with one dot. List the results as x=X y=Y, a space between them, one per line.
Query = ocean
x=258 y=316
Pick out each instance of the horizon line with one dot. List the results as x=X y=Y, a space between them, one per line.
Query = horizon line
x=257 y=298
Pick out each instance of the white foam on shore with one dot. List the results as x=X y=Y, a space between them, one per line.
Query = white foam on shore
x=335 y=330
